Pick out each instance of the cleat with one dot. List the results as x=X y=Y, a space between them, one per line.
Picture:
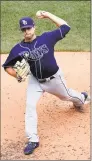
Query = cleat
x=87 y=97
x=30 y=147
x=87 y=100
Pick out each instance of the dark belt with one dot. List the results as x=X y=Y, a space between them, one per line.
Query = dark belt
x=45 y=79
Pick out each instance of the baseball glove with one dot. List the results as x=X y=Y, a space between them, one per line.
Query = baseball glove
x=22 y=69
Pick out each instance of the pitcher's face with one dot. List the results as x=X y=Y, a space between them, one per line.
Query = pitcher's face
x=29 y=33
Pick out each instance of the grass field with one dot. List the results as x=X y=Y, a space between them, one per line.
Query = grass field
x=76 y=13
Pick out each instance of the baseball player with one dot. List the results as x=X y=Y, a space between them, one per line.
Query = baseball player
x=34 y=57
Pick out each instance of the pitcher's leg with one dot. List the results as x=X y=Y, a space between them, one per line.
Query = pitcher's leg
x=69 y=94
x=34 y=93
x=57 y=86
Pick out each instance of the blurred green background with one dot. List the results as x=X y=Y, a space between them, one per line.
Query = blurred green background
x=76 y=13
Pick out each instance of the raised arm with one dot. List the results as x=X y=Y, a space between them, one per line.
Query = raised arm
x=58 y=21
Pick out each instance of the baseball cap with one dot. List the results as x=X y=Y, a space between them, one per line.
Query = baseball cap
x=26 y=22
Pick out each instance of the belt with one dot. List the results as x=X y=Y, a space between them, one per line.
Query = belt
x=45 y=79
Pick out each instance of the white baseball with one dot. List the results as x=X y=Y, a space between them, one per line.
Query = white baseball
x=38 y=13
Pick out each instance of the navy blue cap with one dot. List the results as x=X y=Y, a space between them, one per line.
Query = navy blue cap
x=26 y=22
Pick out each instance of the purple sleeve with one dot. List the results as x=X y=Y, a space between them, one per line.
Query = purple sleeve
x=12 y=57
x=58 y=34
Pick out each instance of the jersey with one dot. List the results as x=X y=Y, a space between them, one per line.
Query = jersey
x=39 y=53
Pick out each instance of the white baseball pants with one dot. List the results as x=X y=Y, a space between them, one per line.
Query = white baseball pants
x=57 y=87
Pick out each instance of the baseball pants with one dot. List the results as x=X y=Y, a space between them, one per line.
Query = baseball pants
x=57 y=87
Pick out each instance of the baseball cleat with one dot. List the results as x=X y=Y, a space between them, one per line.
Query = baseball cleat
x=30 y=147
x=87 y=100
x=87 y=97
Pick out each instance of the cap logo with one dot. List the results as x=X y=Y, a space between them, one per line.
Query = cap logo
x=24 y=22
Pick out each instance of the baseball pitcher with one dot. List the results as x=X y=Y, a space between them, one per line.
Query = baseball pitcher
x=33 y=57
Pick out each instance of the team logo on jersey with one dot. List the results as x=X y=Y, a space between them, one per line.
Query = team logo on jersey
x=35 y=54
x=24 y=22
x=38 y=53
